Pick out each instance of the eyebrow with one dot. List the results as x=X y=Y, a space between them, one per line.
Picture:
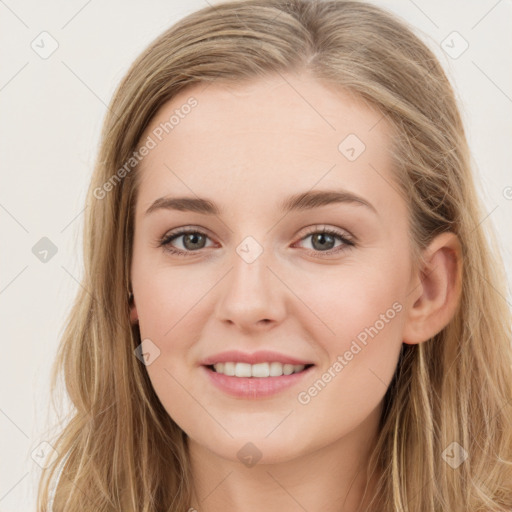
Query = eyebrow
x=298 y=202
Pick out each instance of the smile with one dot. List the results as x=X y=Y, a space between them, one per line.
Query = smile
x=258 y=385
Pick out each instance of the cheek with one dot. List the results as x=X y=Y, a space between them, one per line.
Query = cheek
x=354 y=298
x=366 y=315
x=169 y=307
x=166 y=297
x=361 y=308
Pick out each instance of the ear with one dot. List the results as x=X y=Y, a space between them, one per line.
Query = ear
x=436 y=289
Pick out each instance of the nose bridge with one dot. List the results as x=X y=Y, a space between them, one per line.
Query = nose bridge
x=251 y=293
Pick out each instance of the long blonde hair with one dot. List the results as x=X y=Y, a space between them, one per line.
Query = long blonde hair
x=120 y=450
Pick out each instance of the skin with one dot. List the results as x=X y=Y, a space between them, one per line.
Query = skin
x=246 y=148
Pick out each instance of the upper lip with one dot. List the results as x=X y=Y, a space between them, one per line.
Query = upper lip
x=262 y=356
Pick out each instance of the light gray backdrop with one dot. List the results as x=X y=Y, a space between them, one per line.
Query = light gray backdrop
x=53 y=100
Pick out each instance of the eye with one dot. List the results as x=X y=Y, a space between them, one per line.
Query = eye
x=322 y=240
x=193 y=240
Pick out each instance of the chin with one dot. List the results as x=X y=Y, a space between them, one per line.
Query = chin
x=257 y=449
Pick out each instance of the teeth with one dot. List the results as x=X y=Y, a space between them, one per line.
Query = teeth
x=257 y=370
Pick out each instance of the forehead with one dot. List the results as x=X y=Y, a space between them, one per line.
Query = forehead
x=265 y=139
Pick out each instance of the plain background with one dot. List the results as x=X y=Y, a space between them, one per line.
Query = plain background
x=51 y=114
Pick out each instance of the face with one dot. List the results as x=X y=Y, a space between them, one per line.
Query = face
x=268 y=264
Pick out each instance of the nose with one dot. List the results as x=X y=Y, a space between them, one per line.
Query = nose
x=252 y=296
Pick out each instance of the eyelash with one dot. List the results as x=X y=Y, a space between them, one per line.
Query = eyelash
x=168 y=238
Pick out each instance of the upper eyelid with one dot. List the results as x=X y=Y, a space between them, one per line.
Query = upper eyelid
x=310 y=230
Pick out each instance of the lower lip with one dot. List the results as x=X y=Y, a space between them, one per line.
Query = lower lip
x=254 y=387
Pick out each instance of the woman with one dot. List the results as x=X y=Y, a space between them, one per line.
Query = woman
x=289 y=301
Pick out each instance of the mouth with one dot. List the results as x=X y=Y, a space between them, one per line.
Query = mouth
x=258 y=381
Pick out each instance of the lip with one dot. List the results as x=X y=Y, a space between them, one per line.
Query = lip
x=262 y=356
x=254 y=387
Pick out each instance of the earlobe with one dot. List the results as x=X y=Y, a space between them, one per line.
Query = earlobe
x=440 y=287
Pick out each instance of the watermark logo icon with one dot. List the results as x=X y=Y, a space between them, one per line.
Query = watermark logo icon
x=249 y=249
x=44 y=250
x=454 y=455
x=249 y=455
x=44 y=455
x=147 y=352
x=351 y=147
x=44 y=45
x=454 y=45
